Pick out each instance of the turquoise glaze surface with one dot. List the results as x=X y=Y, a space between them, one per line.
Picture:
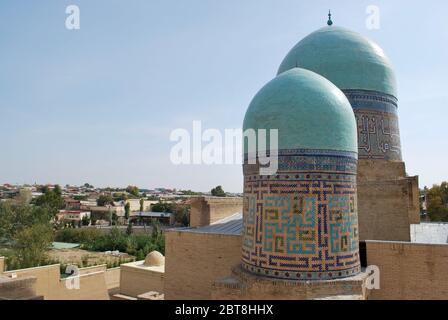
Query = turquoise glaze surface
x=344 y=57
x=309 y=111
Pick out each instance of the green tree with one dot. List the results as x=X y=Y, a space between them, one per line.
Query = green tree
x=24 y=196
x=114 y=218
x=16 y=216
x=85 y=221
x=182 y=214
x=116 y=239
x=127 y=211
x=120 y=196
x=31 y=245
x=129 y=229
x=162 y=207
x=218 y=192
x=51 y=199
x=133 y=190
x=104 y=199
x=57 y=190
x=437 y=202
x=157 y=237
x=142 y=202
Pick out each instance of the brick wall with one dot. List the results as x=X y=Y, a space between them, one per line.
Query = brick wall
x=113 y=278
x=135 y=281
x=409 y=270
x=194 y=261
x=388 y=202
x=200 y=213
x=206 y=210
x=245 y=286
x=49 y=285
x=20 y=288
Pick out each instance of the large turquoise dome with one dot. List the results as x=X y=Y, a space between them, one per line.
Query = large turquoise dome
x=309 y=111
x=344 y=57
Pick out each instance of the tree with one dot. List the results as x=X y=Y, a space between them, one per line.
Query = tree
x=104 y=199
x=182 y=214
x=120 y=196
x=129 y=229
x=85 y=221
x=116 y=239
x=57 y=190
x=218 y=192
x=127 y=210
x=31 y=245
x=437 y=202
x=51 y=199
x=133 y=190
x=161 y=207
x=24 y=196
x=114 y=218
x=157 y=237
x=142 y=202
x=16 y=216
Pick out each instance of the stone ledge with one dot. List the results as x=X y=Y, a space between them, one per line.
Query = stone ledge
x=243 y=285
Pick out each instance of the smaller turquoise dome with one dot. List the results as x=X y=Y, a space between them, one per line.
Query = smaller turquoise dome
x=309 y=112
x=346 y=58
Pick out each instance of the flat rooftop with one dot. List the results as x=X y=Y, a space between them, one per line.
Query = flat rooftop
x=231 y=225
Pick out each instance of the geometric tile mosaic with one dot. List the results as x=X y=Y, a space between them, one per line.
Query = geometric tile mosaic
x=302 y=224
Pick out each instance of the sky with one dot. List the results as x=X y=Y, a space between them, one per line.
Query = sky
x=98 y=104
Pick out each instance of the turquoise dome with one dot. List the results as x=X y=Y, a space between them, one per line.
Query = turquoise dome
x=309 y=112
x=344 y=57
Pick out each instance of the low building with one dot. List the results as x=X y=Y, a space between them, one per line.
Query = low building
x=72 y=204
x=140 y=277
x=207 y=210
x=106 y=212
x=46 y=282
x=196 y=257
x=165 y=218
x=73 y=215
x=134 y=204
x=87 y=204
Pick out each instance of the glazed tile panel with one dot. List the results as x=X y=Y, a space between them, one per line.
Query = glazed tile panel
x=377 y=121
x=301 y=224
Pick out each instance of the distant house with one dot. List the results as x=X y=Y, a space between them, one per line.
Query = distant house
x=165 y=218
x=72 y=204
x=36 y=194
x=106 y=212
x=87 y=204
x=73 y=215
x=135 y=204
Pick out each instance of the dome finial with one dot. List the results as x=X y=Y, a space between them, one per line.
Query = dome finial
x=329 y=22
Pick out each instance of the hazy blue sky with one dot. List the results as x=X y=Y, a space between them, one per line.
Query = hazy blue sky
x=97 y=105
